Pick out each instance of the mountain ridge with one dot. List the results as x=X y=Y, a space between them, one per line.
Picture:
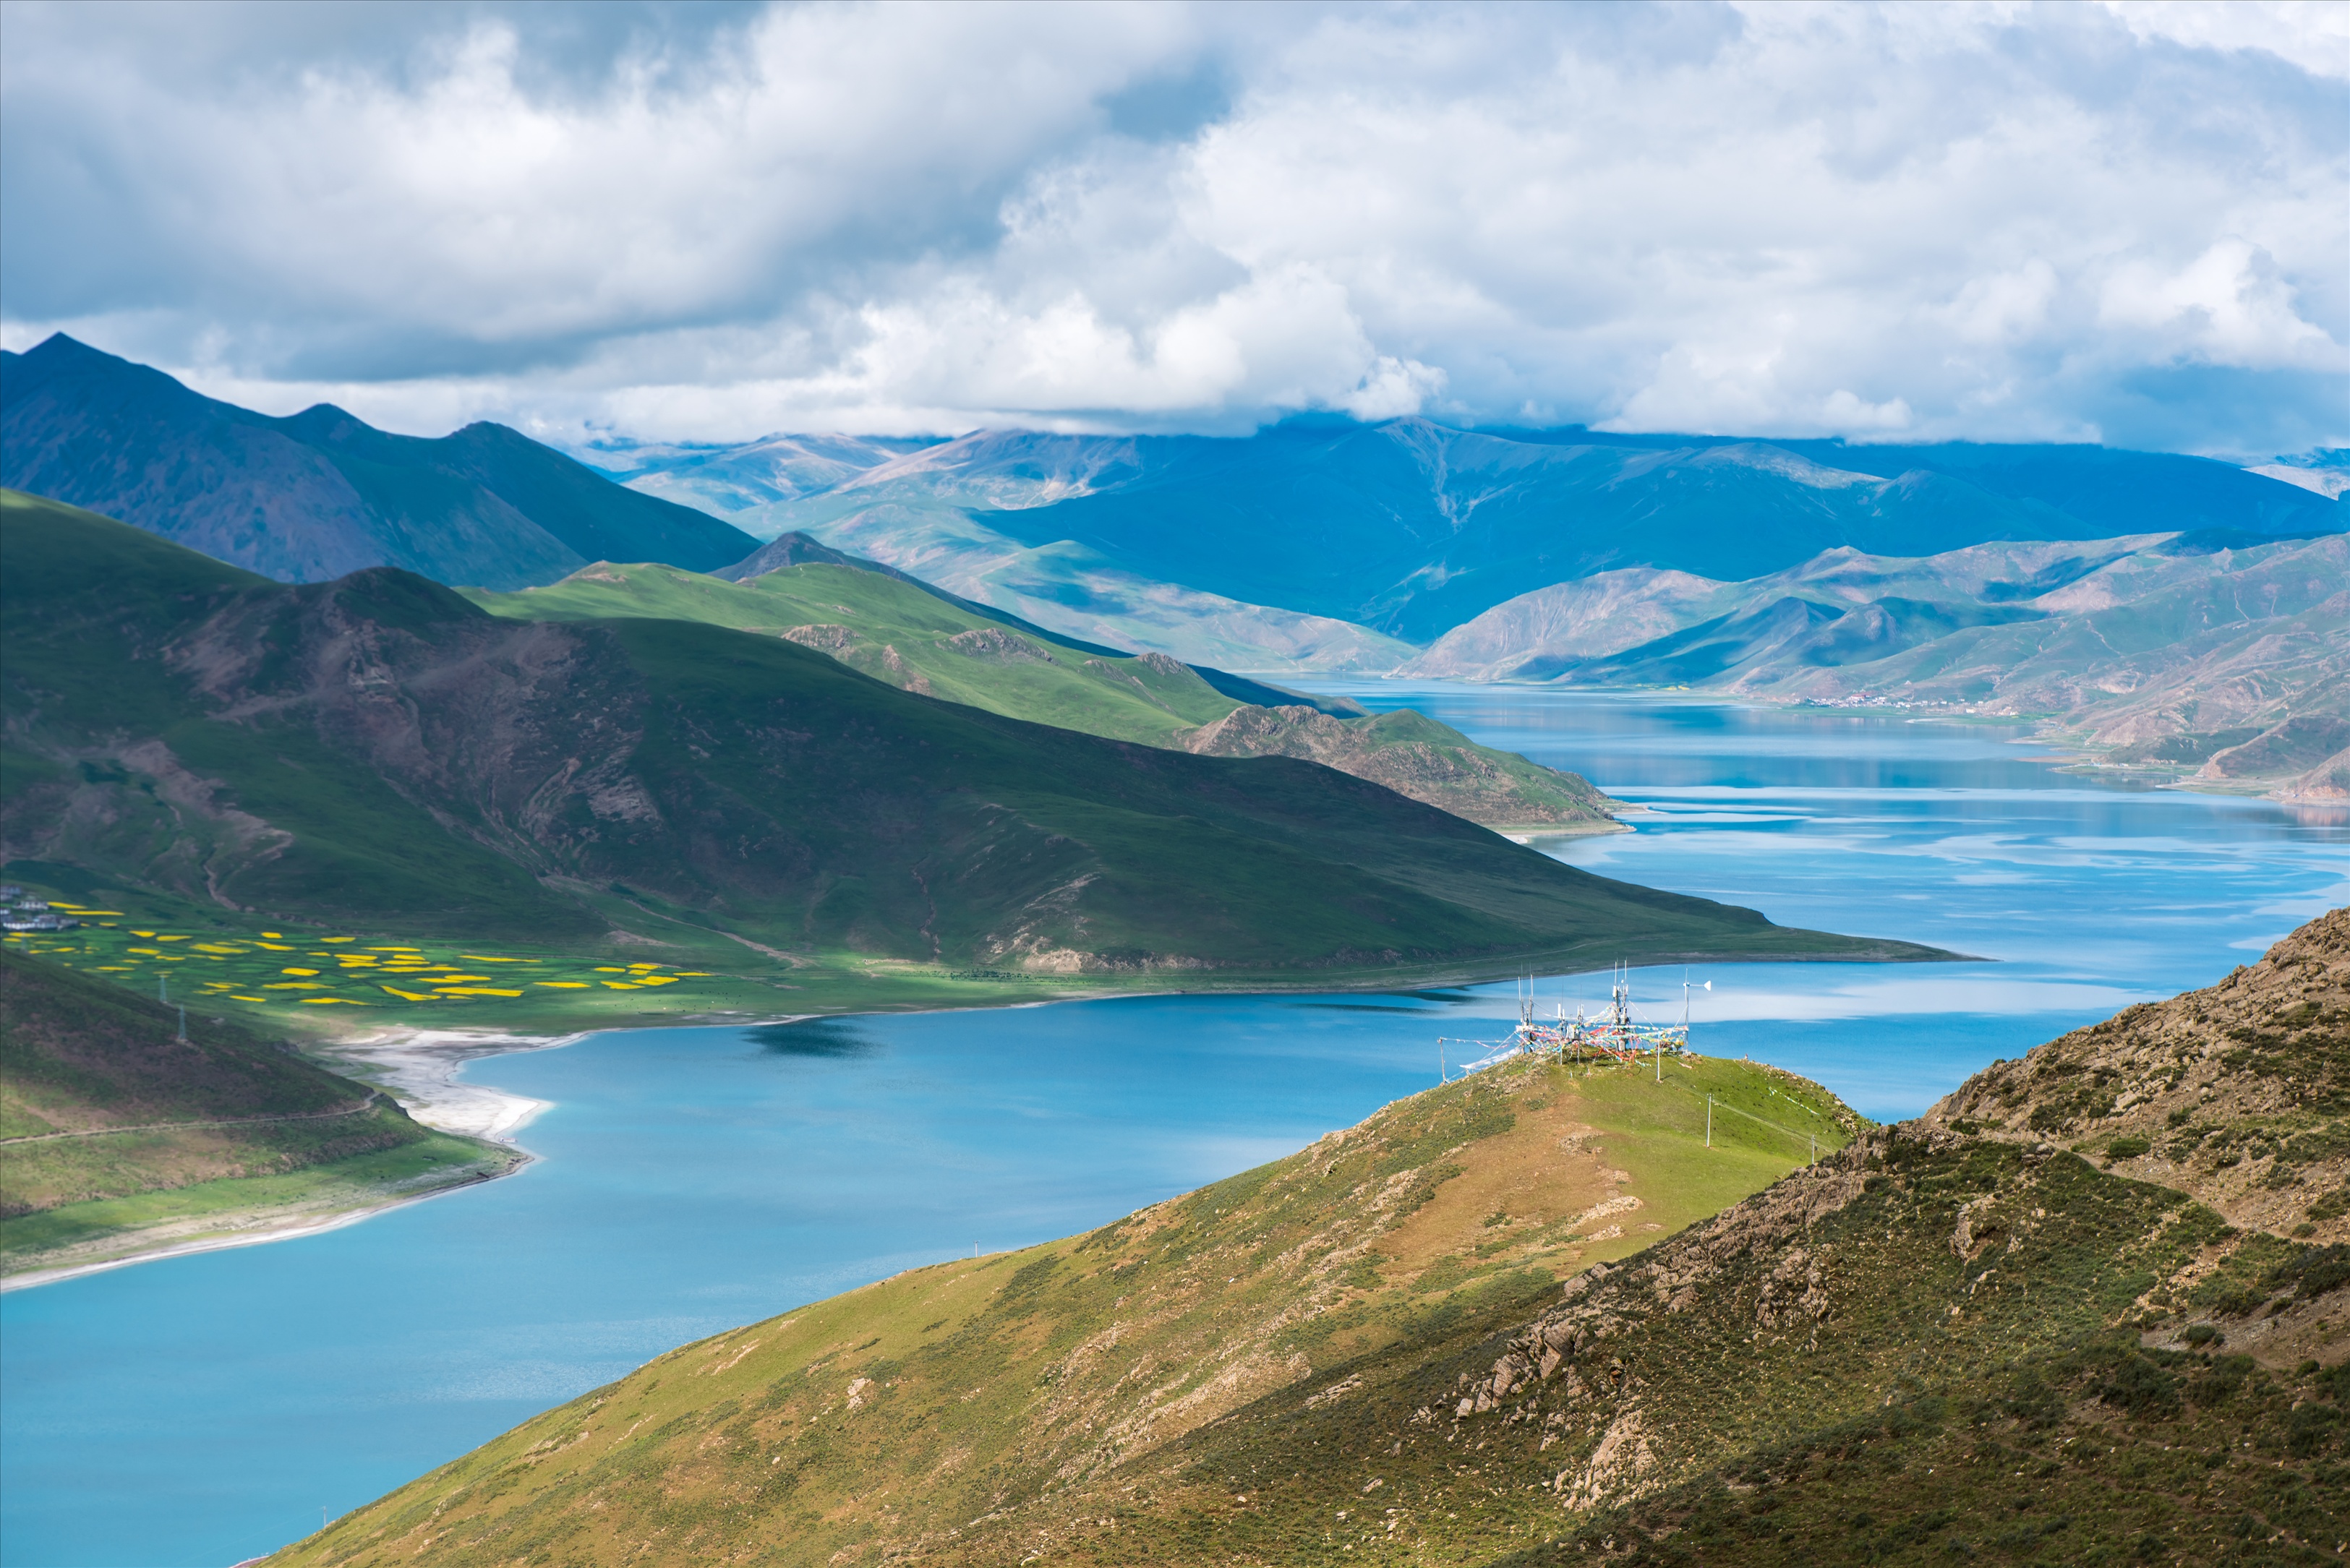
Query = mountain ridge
x=381 y=753
x=903 y=632
x=2170 y=652
x=1408 y=528
x=320 y=494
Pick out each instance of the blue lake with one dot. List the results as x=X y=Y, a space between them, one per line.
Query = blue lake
x=201 y=1410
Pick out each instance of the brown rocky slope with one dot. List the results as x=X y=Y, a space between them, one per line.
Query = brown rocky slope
x=2235 y=1095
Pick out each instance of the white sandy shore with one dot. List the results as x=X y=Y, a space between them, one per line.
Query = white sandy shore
x=420 y=1070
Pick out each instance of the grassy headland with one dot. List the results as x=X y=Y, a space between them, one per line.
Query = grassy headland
x=118 y=1136
x=1945 y=1341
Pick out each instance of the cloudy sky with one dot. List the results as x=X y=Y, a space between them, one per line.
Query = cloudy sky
x=2128 y=222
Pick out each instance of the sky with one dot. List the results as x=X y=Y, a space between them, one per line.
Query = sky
x=2126 y=223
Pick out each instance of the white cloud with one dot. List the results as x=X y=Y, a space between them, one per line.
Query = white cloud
x=2313 y=33
x=2002 y=222
x=2226 y=307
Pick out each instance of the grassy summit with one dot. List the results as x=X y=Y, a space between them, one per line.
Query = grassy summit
x=377 y=755
x=888 y=1420
x=1945 y=1341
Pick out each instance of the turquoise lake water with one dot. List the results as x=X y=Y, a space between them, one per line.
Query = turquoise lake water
x=202 y=1410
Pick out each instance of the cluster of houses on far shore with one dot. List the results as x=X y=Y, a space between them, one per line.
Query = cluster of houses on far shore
x=21 y=911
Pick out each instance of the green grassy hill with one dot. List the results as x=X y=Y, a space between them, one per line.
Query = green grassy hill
x=883 y=1422
x=902 y=634
x=117 y=1134
x=911 y=636
x=379 y=755
x=1932 y=1346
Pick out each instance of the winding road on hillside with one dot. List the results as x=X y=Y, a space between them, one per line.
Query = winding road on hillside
x=175 y=1127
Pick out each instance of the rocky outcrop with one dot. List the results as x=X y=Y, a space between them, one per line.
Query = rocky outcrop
x=2295 y=745
x=2236 y=1093
x=1414 y=757
x=2327 y=784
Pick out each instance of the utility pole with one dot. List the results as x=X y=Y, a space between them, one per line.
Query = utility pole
x=183 y=1023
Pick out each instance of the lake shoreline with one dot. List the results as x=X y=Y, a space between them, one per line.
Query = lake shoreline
x=2067 y=749
x=418 y=1069
x=698 y=1180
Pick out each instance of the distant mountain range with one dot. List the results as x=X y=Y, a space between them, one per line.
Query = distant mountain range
x=2223 y=652
x=1316 y=544
x=1945 y=573
x=726 y=480
x=318 y=494
x=1409 y=529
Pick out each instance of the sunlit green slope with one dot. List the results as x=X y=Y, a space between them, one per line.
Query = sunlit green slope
x=113 y=1125
x=902 y=633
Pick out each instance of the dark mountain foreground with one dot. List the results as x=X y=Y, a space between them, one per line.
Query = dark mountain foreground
x=118 y=1136
x=378 y=754
x=320 y=494
x=2090 y=1310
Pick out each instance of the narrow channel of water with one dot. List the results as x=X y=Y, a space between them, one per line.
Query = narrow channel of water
x=203 y=1409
